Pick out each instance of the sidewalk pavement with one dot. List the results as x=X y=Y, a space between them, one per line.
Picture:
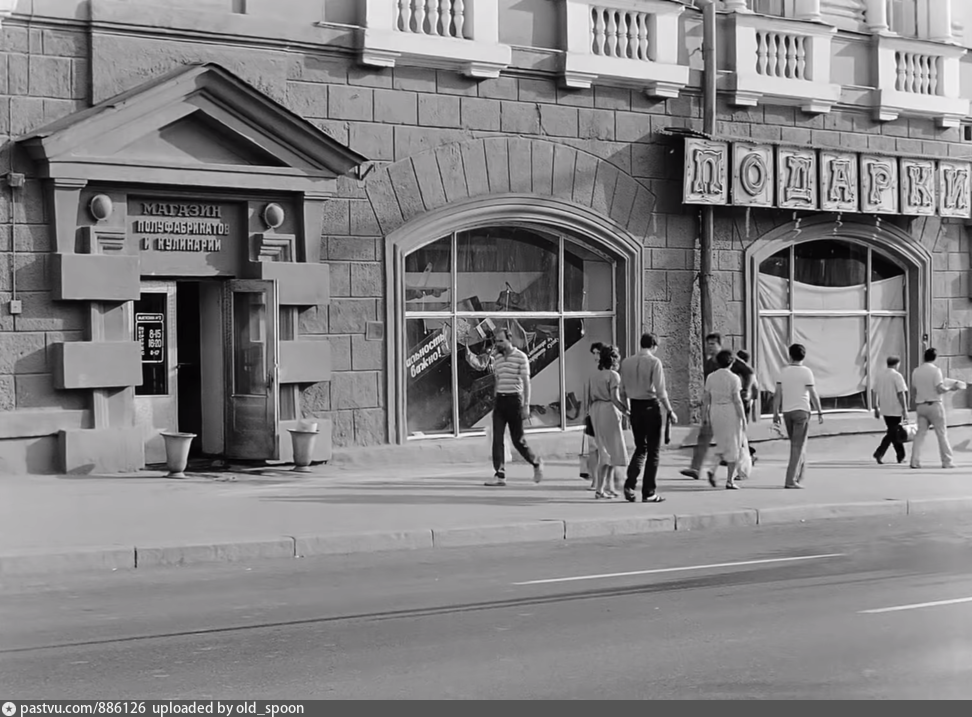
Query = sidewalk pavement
x=53 y=524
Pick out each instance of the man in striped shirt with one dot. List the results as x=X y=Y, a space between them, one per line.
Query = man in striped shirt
x=511 y=371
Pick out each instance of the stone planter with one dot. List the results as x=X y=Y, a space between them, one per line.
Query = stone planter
x=177 y=452
x=303 y=439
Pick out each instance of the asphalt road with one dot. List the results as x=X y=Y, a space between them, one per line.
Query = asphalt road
x=786 y=612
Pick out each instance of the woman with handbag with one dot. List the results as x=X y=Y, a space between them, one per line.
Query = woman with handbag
x=605 y=410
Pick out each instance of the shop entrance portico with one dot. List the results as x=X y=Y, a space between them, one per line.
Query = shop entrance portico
x=187 y=217
x=209 y=366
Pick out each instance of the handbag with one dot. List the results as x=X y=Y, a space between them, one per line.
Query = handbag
x=907 y=432
x=588 y=426
x=582 y=462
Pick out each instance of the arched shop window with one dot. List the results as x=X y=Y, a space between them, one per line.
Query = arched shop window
x=556 y=294
x=847 y=303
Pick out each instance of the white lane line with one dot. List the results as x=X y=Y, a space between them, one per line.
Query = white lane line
x=916 y=606
x=677 y=570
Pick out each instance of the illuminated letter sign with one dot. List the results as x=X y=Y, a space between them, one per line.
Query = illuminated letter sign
x=918 y=194
x=879 y=177
x=753 y=176
x=954 y=190
x=797 y=178
x=838 y=182
x=706 y=172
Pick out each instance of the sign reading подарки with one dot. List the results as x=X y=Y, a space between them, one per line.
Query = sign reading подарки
x=768 y=176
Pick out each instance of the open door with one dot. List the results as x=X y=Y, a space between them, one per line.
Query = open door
x=250 y=323
x=154 y=324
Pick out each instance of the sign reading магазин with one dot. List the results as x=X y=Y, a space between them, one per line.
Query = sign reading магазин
x=182 y=226
x=754 y=175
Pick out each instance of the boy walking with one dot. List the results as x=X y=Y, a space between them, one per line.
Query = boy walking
x=796 y=394
x=891 y=400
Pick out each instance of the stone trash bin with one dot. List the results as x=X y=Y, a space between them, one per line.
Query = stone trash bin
x=303 y=437
x=177 y=452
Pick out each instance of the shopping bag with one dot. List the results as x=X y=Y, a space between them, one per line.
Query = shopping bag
x=582 y=462
x=907 y=432
x=507 y=448
x=744 y=468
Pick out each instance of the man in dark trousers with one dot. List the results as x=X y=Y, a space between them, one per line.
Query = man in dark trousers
x=713 y=345
x=511 y=371
x=891 y=399
x=643 y=384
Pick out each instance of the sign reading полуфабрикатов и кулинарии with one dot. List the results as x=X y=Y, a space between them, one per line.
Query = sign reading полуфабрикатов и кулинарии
x=163 y=708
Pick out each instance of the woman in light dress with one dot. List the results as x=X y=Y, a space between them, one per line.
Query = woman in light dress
x=605 y=407
x=723 y=409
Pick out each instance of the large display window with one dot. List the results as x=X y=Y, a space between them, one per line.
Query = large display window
x=847 y=303
x=555 y=294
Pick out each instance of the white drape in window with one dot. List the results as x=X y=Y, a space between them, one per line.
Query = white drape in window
x=838 y=353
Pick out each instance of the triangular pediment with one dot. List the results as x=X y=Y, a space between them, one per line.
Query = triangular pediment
x=198 y=117
x=195 y=140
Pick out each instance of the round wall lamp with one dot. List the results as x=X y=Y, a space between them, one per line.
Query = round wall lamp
x=101 y=207
x=273 y=215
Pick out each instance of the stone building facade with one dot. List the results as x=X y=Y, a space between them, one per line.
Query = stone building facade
x=427 y=193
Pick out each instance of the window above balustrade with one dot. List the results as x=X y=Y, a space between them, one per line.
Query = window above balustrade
x=632 y=43
x=781 y=60
x=461 y=35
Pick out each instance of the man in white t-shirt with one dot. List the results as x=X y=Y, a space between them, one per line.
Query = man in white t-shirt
x=891 y=400
x=796 y=394
x=930 y=386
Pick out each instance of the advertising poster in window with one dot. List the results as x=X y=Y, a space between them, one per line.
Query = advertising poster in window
x=428 y=376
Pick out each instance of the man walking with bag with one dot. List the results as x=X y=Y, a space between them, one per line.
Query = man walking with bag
x=891 y=400
x=929 y=387
x=511 y=371
x=643 y=387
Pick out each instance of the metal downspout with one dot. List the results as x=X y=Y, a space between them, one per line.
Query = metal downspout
x=707 y=233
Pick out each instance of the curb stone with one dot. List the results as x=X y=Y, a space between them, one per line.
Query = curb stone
x=229 y=552
x=498 y=534
x=798 y=513
x=42 y=561
x=345 y=544
x=727 y=519
x=96 y=559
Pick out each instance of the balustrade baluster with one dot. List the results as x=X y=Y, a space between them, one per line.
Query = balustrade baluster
x=405 y=15
x=899 y=64
x=418 y=10
x=912 y=75
x=599 y=32
x=643 y=36
x=780 y=41
x=459 y=18
x=802 y=58
x=633 y=22
x=791 y=57
x=762 y=53
x=933 y=84
x=433 y=17
x=612 y=34
x=623 y=35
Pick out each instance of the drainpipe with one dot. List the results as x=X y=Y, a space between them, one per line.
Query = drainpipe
x=709 y=78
